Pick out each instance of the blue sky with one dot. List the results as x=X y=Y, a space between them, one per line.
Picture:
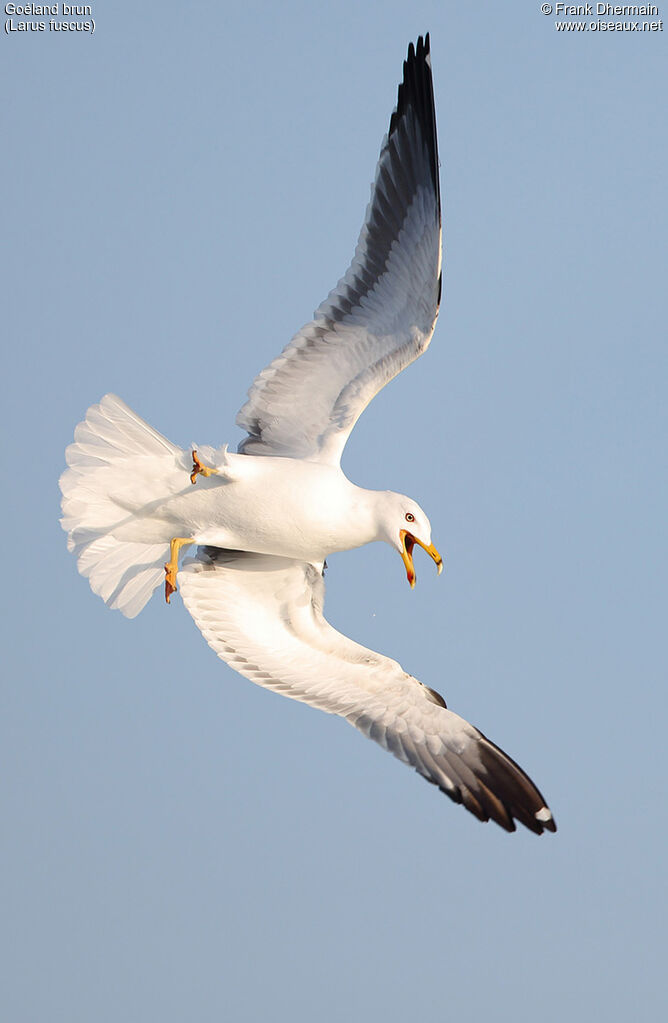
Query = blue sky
x=181 y=189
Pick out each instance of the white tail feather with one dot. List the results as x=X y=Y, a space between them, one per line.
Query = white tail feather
x=118 y=465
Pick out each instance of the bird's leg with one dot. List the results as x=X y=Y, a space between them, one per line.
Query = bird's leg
x=172 y=566
x=199 y=467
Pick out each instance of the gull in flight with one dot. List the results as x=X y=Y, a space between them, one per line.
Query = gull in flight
x=264 y=519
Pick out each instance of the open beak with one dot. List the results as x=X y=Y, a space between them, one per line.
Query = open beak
x=408 y=542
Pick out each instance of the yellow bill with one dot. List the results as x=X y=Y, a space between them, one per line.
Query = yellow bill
x=408 y=542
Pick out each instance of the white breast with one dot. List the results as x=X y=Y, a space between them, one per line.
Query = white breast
x=279 y=506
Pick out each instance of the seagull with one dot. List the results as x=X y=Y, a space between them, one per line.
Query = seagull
x=266 y=517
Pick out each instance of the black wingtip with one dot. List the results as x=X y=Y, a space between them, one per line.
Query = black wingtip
x=514 y=788
x=416 y=93
x=492 y=786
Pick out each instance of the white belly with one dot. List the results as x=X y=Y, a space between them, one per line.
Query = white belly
x=269 y=505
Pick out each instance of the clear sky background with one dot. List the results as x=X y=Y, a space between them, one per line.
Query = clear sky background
x=180 y=190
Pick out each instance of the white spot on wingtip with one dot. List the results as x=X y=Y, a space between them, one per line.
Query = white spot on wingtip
x=543 y=815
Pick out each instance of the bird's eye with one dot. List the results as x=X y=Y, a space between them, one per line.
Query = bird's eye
x=410 y=517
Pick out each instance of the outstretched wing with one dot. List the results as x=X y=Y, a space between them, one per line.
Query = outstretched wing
x=263 y=615
x=381 y=315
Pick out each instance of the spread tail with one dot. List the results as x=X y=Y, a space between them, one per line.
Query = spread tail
x=118 y=467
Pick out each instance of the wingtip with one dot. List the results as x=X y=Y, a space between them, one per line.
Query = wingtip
x=416 y=93
x=545 y=819
x=419 y=50
x=513 y=787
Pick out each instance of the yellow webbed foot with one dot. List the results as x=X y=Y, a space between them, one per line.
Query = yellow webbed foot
x=170 y=581
x=200 y=468
x=172 y=566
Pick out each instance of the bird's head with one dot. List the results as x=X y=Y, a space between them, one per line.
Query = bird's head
x=404 y=525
